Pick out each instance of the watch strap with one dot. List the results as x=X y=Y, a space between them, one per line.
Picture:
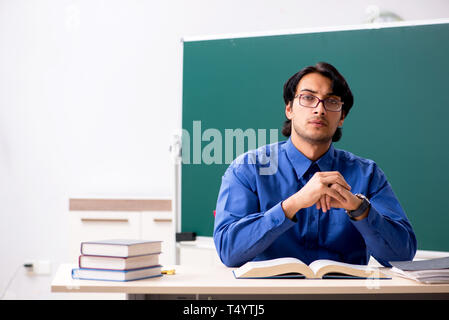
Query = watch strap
x=361 y=209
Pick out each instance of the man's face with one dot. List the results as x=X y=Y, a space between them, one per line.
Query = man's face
x=314 y=125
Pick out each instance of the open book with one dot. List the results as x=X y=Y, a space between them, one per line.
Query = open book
x=292 y=267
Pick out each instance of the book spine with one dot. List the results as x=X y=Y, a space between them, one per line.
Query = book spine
x=118 y=280
x=125 y=268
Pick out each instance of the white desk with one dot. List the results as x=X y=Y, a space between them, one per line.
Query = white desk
x=219 y=283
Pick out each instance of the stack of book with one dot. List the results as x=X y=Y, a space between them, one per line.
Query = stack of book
x=424 y=271
x=118 y=260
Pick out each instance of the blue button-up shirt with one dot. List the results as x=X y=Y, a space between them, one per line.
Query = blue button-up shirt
x=250 y=223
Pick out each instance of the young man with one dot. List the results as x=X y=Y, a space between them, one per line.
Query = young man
x=320 y=203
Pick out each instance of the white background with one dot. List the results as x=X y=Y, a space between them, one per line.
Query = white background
x=90 y=94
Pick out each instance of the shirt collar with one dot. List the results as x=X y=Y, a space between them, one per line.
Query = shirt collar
x=301 y=163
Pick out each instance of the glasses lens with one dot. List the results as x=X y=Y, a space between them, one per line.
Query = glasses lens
x=307 y=100
x=332 y=104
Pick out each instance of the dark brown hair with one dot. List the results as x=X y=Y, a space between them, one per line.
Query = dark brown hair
x=339 y=87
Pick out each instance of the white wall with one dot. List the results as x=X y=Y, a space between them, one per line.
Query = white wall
x=90 y=93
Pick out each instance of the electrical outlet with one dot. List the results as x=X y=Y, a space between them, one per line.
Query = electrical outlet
x=41 y=267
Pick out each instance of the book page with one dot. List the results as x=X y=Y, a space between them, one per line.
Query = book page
x=320 y=267
x=274 y=262
x=318 y=264
x=272 y=267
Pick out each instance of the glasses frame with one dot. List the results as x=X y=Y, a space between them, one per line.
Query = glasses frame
x=299 y=95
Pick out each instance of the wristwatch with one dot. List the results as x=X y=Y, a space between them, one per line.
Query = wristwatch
x=361 y=209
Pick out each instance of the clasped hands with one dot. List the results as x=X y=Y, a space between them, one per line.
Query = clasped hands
x=324 y=190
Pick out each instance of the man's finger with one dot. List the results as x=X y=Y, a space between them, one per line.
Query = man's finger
x=329 y=180
x=329 y=173
x=335 y=194
x=323 y=204
x=328 y=201
x=342 y=191
x=336 y=204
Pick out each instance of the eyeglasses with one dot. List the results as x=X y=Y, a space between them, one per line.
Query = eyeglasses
x=310 y=101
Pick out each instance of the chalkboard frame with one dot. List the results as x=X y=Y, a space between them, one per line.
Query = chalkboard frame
x=236 y=83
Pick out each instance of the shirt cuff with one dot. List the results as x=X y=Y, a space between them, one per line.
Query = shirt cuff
x=368 y=226
x=278 y=217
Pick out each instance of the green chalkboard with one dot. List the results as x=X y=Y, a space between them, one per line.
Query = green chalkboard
x=400 y=80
